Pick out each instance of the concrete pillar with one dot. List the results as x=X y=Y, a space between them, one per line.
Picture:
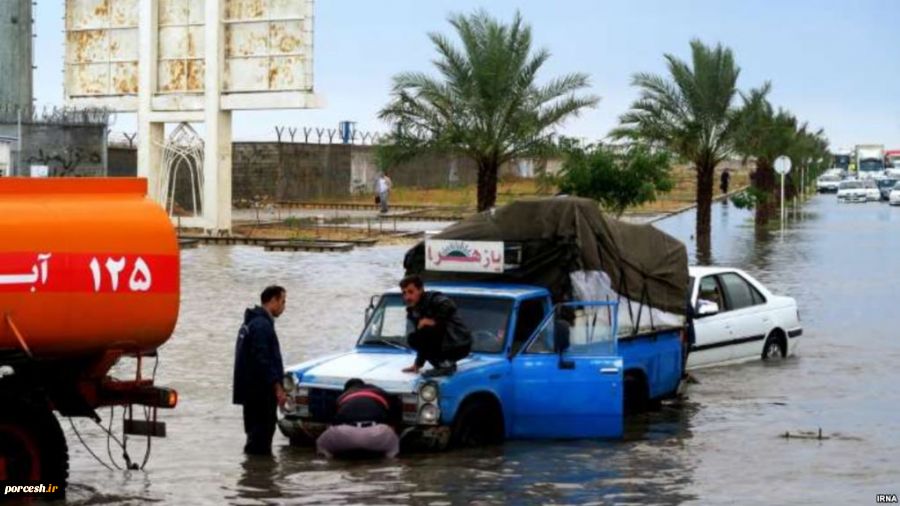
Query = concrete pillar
x=217 y=147
x=150 y=134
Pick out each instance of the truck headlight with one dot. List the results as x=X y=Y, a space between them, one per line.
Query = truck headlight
x=429 y=392
x=298 y=402
x=289 y=382
x=429 y=414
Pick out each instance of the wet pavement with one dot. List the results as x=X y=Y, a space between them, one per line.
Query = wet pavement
x=721 y=446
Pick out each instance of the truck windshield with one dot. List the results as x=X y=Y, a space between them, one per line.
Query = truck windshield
x=487 y=319
x=871 y=165
x=842 y=161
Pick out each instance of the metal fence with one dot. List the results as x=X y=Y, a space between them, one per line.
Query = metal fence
x=52 y=115
x=340 y=135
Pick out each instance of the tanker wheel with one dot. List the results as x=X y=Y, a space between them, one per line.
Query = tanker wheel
x=33 y=448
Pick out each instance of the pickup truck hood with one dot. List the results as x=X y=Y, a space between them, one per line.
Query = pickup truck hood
x=382 y=369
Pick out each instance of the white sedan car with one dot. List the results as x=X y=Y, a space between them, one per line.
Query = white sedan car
x=857 y=191
x=735 y=319
x=894 y=196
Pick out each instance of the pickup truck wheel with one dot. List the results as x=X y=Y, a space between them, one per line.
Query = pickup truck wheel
x=775 y=347
x=478 y=423
x=636 y=394
x=33 y=448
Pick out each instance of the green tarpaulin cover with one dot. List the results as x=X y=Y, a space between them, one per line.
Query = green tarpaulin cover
x=548 y=238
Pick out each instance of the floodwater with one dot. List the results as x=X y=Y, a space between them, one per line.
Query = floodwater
x=721 y=446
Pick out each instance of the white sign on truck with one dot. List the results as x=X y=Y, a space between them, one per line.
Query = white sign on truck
x=464 y=256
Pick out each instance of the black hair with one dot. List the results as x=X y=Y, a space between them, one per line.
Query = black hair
x=412 y=279
x=353 y=383
x=271 y=292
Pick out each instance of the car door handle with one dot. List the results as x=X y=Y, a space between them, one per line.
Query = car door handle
x=609 y=370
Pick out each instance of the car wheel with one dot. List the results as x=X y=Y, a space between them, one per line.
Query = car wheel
x=478 y=423
x=33 y=447
x=775 y=347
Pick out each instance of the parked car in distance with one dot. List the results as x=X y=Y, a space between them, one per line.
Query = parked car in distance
x=828 y=183
x=885 y=185
x=894 y=196
x=851 y=191
x=736 y=319
x=873 y=194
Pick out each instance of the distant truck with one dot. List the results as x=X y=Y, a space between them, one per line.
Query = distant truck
x=514 y=277
x=89 y=277
x=892 y=162
x=869 y=160
x=842 y=159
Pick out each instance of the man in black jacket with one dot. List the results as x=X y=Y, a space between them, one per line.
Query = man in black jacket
x=439 y=335
x=258 y=371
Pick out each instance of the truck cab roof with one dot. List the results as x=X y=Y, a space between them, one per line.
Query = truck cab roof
x=475 y=289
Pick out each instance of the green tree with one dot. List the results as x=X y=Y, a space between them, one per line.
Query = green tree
x=617 y=180
x=690 y=115
x=764 y=134
x=485 y=102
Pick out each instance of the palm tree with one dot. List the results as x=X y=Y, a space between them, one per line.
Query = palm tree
x=690 y=115
x=485 y=102
x=764 y=134
x=808 y=153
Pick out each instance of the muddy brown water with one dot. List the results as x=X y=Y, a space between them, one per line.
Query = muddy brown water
x=721 y=446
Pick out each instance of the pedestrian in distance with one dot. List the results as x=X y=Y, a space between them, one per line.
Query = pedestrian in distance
x=362 y=424
x=724 y=179
x=258 y=371
x=439 y=335
x=383 y=191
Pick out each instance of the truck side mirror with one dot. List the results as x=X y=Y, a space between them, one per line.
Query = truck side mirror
x=371 y=309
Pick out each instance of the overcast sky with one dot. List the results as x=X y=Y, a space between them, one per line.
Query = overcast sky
x=835 y=64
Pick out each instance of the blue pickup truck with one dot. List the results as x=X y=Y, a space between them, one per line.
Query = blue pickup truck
x=522 y=380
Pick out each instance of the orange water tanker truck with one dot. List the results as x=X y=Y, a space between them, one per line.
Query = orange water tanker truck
x=89 y=277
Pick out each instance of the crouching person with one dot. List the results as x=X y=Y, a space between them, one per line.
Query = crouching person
x=362 y=424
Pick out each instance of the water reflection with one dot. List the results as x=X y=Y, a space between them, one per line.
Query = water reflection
x=721 y=447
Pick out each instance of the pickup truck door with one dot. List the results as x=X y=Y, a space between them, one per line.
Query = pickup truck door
x=574 y=394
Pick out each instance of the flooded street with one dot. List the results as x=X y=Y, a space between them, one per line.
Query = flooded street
x=722 y=446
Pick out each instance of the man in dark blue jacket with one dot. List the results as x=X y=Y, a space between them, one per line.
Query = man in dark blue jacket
x=258 y=371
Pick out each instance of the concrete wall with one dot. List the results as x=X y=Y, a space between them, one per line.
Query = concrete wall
x=69 y=150
x=73 y=150
x=298 y=171
x=291 y=171
x=121 y=161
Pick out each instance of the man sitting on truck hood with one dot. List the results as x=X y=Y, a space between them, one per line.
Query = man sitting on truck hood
x=439 y=335
x=362 y=424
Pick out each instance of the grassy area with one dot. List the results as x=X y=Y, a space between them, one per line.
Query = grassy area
x=464 y=198
x=306 y=233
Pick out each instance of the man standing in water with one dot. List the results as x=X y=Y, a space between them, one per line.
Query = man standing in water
x=724 y=179
x=439 y=335
x=258 y=371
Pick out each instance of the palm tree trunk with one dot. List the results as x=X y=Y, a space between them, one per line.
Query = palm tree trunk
x=705 y=173
x=487 y=184
x=764 y=181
